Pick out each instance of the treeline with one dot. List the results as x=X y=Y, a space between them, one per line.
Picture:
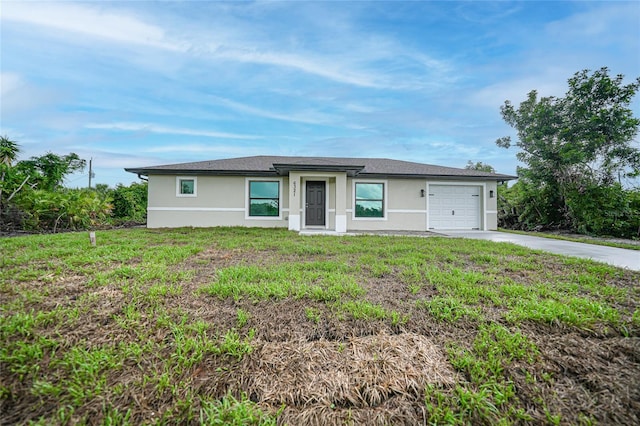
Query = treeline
x=32 y=196
x=578 y=150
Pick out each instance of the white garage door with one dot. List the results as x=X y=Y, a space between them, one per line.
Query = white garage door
x=454 y=207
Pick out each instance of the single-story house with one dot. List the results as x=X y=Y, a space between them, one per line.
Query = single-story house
x=321 y=193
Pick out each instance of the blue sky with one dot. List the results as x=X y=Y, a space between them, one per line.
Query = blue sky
x=140 y=83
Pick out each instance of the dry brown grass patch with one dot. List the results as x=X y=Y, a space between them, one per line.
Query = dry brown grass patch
x=340 y=380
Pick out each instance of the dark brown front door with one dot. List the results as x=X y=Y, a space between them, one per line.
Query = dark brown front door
x=315 y=209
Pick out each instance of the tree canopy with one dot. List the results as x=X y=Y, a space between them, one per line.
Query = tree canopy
x=590 y=131
x=483 y=167
x=48 y=171
x=575 y=145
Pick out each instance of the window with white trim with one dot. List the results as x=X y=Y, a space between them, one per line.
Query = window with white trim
x=264 y=198
x=369 y=200
x=186 y=186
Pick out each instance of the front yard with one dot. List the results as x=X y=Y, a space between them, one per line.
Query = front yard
x=255 y=326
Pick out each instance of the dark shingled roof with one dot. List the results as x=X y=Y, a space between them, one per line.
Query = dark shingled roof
x=264 y=165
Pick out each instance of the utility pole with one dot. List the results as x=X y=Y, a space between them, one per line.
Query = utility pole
x=90 y=171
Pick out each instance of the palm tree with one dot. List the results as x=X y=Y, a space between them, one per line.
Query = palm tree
x=9 y=150
x=8 y=153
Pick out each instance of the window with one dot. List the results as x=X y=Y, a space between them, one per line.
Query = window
x=186 y=187
x=369 y=199
x=264 y=198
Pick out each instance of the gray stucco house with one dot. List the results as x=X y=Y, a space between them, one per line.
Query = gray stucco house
x=321 y=193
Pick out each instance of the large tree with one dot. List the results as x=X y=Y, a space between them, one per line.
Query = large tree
x=574 y=143
x=48 y=171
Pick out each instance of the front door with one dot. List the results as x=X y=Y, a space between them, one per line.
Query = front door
x=315 y=207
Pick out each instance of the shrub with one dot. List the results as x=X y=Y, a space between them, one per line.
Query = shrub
x=130 y=202
x=68 y=209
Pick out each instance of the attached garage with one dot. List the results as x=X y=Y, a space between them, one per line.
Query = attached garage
x=455 y=206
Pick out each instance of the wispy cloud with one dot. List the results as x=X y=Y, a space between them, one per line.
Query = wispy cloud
x=91 y=21
x=9 y=82
x=565 y=46
x=311 y=64
x=486 y=12
x=154 y=128
x=19 y=95
x=374 y=62
x=210 y=150
x=599 y=24
x=516 y=90
x=309 y=117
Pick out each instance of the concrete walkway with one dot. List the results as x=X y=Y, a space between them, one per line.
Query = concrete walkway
x=622 y=258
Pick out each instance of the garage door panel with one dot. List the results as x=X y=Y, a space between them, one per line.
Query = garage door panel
x=454 y=207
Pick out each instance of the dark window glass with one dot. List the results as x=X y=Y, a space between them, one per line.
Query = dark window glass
x=264 y=198
x=369 y=200
x=187 y=186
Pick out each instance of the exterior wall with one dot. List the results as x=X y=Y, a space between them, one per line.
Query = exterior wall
x=219 y=201
x=491 y=210
x=405 y=208
x=223 y=201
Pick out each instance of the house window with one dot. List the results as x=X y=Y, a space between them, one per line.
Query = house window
x=186 y=186
x=264 y=198
x=369 y=200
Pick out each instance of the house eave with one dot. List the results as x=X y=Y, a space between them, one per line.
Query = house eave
x=184 y=172
x=499 y=178
x=285 y=169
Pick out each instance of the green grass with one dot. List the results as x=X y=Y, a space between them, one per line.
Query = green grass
x=489 y=398
x=449 y=309
x=234 y=412
x=321 y=281
x=131 y=330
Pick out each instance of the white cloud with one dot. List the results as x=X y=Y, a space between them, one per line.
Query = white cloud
x=516 y=90
x=356 y=61
x=213 y=150
x=600 y=24
x=10 y=82
x=89 y=21
x=19 y=95
x=308 y=117
x=154 y=128
x=328 y=68
x=603 y=34
x=486 y=12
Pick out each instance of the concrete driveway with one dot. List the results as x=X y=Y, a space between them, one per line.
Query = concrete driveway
x=622 y=258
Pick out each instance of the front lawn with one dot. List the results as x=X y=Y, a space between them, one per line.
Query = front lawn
x=257 y=326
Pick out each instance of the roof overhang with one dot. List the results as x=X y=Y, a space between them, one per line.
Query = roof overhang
x=284 y=169
x=498 y=178
x=190 y=172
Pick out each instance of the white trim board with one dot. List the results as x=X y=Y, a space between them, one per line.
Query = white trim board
x=195 y=209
